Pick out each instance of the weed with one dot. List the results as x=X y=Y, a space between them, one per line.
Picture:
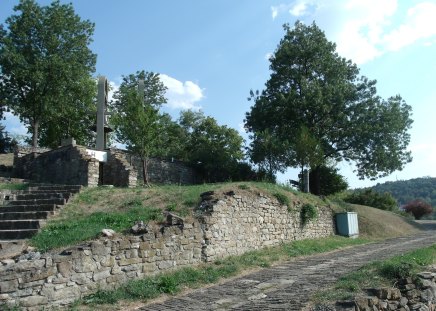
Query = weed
x=282 y=198
x=308 y=212
x=243 y=187
x=172 y=207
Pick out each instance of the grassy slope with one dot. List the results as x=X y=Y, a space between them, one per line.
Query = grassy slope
x=375 y=223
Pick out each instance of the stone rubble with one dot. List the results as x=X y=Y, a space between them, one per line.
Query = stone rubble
x=411 y=294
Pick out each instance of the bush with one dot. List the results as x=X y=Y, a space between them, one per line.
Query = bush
x=328 y=180
x=282 y=198
x=308 y=212
x=418 y=208
x=384 y=201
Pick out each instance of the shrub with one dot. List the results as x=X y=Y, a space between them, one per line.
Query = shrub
x=308 y=212
x=328 y=180
x=282 y=198
x=418 y=208
x=384 y=201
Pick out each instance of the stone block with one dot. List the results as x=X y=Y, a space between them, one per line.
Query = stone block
x=129 y=261
x=8 y=286
x=100 y=275
x=33 y=301
x=84 y=264
x=66 y=294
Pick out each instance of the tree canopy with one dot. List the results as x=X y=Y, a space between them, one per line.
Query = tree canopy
x=136 y=116
x=46 y=69
x=316 y=101
x=215 y=150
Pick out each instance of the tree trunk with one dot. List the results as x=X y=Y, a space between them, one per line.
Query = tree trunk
x=315 y=181
x=35 y=126
x=144 y=171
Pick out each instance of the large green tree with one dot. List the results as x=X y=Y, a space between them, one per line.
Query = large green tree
x=136 y=117
x=215 y=150
x=315 y=94
x=46 y=69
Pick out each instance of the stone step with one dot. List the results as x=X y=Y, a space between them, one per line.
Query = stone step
x=72 y=188
x=28 y=208
x=25 y=215
x=17 y=234
x=59 y=201
x=19 y=224
x=43 y=195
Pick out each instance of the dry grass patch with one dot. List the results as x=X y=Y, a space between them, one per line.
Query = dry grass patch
x=379 y=224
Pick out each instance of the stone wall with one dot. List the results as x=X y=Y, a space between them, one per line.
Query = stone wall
x=53 y=280
x=223 y=224
x=117 y=170
x=163 y=171
x=234 y=224
x=69 y=165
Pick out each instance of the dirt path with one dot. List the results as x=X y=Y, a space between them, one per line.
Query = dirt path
x=289 y=285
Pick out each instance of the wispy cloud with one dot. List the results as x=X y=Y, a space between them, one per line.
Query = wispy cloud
x=365 y=30
x=182 y=95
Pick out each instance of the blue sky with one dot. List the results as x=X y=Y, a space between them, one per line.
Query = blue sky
x=211 y=53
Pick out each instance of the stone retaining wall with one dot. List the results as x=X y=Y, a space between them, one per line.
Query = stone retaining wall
x=69 y=165
x=118 y=171
x=224 y=224
x=235 y=224
x=162 y=171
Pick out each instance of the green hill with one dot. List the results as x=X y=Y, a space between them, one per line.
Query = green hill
x=404 y=191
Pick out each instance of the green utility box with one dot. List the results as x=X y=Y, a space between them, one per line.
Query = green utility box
x=347 y=225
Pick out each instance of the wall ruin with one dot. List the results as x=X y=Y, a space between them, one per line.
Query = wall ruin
x=224 y=224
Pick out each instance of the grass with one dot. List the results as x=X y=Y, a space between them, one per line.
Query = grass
x=377 y=274
x=193 y=277
x=68 y=232
x=119 y=208
x=13 y=186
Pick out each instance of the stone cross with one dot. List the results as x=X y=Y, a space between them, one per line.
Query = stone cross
x=141 y=88
x=102 y=99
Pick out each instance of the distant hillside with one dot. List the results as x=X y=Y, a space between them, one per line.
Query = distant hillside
x=407 y=190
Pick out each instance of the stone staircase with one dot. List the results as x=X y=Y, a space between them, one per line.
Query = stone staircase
x=24 y=212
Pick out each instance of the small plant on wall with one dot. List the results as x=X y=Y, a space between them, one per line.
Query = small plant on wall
x=308 y=212
x=282 y=198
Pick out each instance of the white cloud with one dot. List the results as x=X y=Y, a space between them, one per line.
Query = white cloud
x=182 y=95
x=364 y=30
x=420 y=23
x=268 y=56
x=299 y=9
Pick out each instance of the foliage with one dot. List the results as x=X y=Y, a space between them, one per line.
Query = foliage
x=418 y=208
x=384 y=201
x=316 y=101
x=136 y=116
x=7 y=144
x=265 y=151
x=212 y=149
x=309 y=212
x=404 y=191
x=282 y=198
x=46 y=68
x=193 y=277
x=330 y=180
